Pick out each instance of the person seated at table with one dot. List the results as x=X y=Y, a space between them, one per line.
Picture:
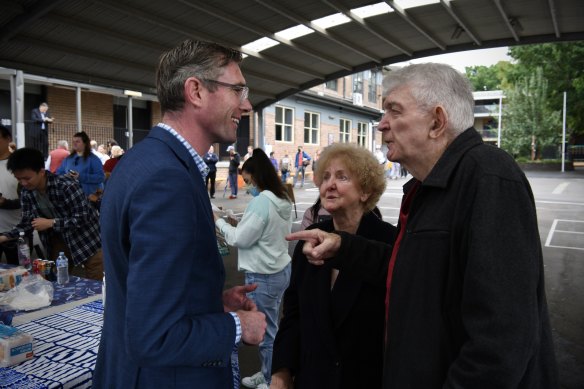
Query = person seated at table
x=57 y=208
x=331 y=333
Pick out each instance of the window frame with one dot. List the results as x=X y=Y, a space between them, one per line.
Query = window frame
x=283 y=124
x=345 y=130
x=362 y=133
x=312 y=131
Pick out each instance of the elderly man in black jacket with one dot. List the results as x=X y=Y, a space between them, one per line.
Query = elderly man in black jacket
x=465 y=302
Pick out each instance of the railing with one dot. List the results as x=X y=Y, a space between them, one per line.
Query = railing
x=63 y=131
x=576 y=153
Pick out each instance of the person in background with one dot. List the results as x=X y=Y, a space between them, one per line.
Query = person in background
x=83 y=166
x=274 y=161
x=9 y=199
x=57 y=156
x=233 y=171
x=109 y=165
x=249 y=153
x=108 y=146
x=41 y=118
x=285 y=168
x=465 y=304
x=211 y=160
x=316 y=213
x=331 y=333
x=57 y=208
x=168 y=321
x=263 y=250
x=95 y=150
x=301 y=161
x=315 y=159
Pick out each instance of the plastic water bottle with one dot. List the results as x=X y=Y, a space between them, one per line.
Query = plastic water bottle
x=62 y=269
x=23 y=252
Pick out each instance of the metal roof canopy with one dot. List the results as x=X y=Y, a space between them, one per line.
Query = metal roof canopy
x=117 y=43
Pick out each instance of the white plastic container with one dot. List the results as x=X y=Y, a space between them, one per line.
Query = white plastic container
x=15 y=346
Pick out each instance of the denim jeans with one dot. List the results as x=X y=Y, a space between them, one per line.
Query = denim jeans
x=268 y=297
x=232 y=177
x=300 y=170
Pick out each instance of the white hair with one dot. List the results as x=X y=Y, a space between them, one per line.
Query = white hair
x=433 y=84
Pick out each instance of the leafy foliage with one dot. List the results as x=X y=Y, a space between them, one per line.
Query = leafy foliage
x=530 y=124
x=562 y=65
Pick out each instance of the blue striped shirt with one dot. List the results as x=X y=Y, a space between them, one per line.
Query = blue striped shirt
x=201 y=165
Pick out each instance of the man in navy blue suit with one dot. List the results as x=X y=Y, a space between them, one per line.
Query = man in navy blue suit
x=41 y=118
x=168 y=323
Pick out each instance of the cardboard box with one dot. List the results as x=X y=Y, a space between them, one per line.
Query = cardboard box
x=15 y=346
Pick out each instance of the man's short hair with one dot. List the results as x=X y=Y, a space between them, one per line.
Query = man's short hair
x=26 y=158
x=63 y=143
x=191 y=58
x=5 y=133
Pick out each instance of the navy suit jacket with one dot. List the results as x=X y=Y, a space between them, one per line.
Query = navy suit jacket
x=37 y=117
x=164 y=324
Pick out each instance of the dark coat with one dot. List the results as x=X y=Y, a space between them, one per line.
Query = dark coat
x=468 y=306
x=164 y=324
x=332 y=339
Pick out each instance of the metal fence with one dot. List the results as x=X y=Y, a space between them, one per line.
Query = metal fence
x=101 y=135
x=576 y=153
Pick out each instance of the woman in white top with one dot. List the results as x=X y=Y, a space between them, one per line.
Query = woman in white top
x=263 y=249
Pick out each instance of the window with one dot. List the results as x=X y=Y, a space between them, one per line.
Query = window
x=284 y=124
x=358 y=83
x=373 y=83
x=361 y=134
x=345 y=131
x=331 y=85
x=311 y=127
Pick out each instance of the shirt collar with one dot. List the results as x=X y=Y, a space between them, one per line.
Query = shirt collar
x=201 y=165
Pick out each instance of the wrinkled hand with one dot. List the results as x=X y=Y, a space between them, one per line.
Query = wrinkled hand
x=319 y=245
x=42 y=224
x=235 y=299
x=253 y=326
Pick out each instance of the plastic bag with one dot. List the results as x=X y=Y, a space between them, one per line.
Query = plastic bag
x=33 y=292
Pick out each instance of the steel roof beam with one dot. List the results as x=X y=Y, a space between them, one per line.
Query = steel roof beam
x=404 y=15
x=321 y=31
x=265 y=33
x=448 y=7
x=367 y=26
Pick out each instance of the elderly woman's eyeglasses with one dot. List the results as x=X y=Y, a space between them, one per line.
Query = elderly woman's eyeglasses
x=242 y=90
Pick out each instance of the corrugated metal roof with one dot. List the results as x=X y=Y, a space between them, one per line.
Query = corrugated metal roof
x=117 y=43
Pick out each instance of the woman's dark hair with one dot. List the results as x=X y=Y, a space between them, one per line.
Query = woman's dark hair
x=26 y=158
x=261 y=169
x=315 y=208
x=86 y=142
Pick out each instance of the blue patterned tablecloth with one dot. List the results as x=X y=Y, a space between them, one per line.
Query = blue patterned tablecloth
x=65 y=347
x=76 y=289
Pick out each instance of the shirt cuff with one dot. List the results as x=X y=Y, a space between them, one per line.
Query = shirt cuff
x=237 y=327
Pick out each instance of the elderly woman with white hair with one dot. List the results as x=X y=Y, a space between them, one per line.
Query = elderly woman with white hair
x=110 y=164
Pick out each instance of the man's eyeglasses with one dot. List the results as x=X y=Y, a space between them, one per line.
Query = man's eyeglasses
x=242 y=90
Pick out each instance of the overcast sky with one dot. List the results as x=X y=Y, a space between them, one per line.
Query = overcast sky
x=485 y=57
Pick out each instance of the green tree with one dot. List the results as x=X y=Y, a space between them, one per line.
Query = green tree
x=483 y=77
x=562 y=65
x=530 y=125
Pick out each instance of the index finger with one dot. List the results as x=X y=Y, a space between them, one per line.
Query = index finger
x=303 y=235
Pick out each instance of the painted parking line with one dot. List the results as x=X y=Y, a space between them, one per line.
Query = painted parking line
x=560 y=188
x=562 y=234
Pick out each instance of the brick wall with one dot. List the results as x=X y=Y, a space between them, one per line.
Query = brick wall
x=96 y=115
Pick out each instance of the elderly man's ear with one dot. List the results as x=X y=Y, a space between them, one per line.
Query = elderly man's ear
x=440 y=122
